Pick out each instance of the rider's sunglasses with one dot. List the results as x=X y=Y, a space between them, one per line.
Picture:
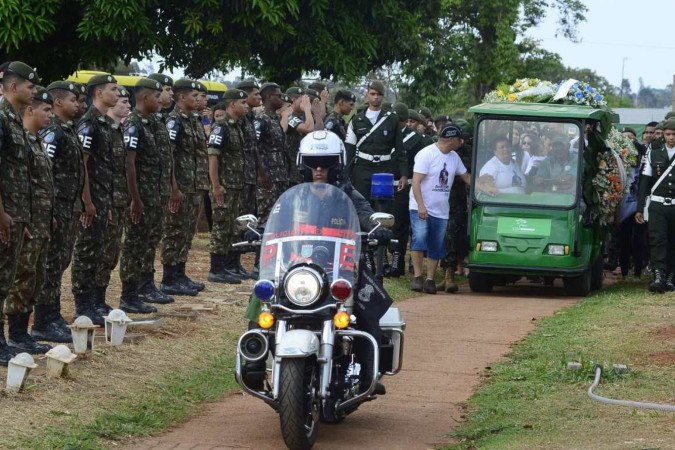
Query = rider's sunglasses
x=324 y=162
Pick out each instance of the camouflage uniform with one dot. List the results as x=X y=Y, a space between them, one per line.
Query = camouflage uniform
x=144 y=135
x=120 y=201
x=274 y=162
x=61 y=143
x=163 y=143
x=15 y=188
x=335 y=123
x=180 y=226
x=202 y=172
x=293 y=138
x=248 y=203
x=96 y=135
x=30 y=271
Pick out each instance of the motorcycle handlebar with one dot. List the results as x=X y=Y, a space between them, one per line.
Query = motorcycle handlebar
x=246 y=243
x=375 y=242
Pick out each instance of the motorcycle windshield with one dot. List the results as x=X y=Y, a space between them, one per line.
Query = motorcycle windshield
x=311 y=223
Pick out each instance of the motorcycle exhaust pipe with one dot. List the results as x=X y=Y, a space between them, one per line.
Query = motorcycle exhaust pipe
x=253 y=345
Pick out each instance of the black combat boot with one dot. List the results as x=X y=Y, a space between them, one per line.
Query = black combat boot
x=395 y=266
x=217 y=272
x=172 y=285
x=196 y=285
x=658 y=284
x=255 y=273
x=99 y=301
x=231 y=266
x=129 y=301
x=6 y=352
x=148 y=292
x=239 y=269
x=84 y=306
x=670 y=282
x=46 y=326
x=19 y=338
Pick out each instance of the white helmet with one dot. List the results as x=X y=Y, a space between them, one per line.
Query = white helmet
x=321 y=149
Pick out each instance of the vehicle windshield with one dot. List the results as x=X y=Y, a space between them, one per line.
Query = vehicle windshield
x=312 y=223
x=527 y=162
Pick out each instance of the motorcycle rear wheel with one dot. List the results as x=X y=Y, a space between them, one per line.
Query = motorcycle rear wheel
x=298 y=413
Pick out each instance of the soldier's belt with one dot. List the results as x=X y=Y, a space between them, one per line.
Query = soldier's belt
x=373 y=158
x=667 y=201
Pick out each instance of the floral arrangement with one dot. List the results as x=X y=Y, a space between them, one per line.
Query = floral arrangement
x=531 y=90
x=578 y=92
x=625 y=149
x=608 y=187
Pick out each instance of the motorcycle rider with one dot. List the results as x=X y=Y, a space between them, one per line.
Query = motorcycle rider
x=321 y=159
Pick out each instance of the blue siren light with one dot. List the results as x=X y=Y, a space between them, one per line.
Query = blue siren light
x=264 y=289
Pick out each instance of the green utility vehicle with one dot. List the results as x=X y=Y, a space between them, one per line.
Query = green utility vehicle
x=527 y=212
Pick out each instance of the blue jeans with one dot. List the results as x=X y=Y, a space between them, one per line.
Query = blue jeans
x=428 y=235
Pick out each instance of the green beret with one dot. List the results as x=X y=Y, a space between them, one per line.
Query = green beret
x=234 y=94
x=317 y=86
x=268 y=85
x=465 y=126
x=65 y=86
x=124 y=92
x=42 y=95
x=312 y=93
x=344 y=94
x=401 y=110
x=184 y=83
x=669 y=124
x=443 y=118
x=659 y=126
x=81 y=88
x=286 y=98
x=414 y=115
x=426 y=112
x=387 y=106
x=165 y=80
x=149 y=83
x=377 y=86
x=247 y=84
x=201 y=87
x=670 y=114
x=24 y=71
x=97 y=80
x=295 y=90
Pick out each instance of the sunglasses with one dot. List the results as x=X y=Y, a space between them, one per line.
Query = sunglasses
x=324 y=162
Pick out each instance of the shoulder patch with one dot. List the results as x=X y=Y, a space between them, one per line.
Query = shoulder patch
x=49 y=137
x=131 y=129
x=170 y=123
x=329 y=125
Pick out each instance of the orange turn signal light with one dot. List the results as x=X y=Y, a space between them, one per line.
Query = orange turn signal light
x=341 y=320
x=265 y=320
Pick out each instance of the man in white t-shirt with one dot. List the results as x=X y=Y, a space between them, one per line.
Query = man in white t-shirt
x=435 y=169
x=501 y=174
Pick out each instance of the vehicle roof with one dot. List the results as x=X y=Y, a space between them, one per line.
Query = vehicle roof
x=545 y=110
x=129 y=81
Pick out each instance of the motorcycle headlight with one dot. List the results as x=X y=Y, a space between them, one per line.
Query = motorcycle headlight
x=303 y=286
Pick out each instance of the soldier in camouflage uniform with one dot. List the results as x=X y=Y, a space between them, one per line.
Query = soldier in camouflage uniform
x=30 y=271
x=226 y=169
x=274 y=161
x=343 y=104
x=15 y=183
x=145 y=178
x=61 y=143
x=300 y=123
x=180 y=223
x=120 y=201
x=95 y=131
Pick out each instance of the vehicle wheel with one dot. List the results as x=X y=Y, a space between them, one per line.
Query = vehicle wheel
x=597 y=274
x=479 y=282
x=578 y=286
x=298 y=412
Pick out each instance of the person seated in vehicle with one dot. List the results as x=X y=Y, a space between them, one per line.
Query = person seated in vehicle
x=558 y=172
x=501 y=174
x=321 y=159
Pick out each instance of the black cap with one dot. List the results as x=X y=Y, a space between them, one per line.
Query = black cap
x=149 y=83
x=24 y=71
x=286 y=98
x=185 y=84
x=313 y=93
x=66 y=86
x=317 y=86
x=401 y=110
x=344 y=94
x=101 y=79
x=42 y=95
x=247 y=84
x=165 y=80
x=234 y=94
x=295 y=90
x=124 y=92
x=449 y=131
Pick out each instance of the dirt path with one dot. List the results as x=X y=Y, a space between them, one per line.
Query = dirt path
x=449 y=342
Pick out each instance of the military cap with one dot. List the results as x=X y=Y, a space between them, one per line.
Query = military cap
x=24 y=71
x=426 y=112
x=42 y=95
x=81 y=88
x=184 y=83
x=442 y=118
x=286 y=98
x=669 y=124
x=401 y=110
x=101 y=79
x=165 y=80
x=268 y=85
x=4 y=67
x=465 y=126
x=65 y=86
x=387 y=106
x=313 y=93
x=124 y=92
x=247 y=84
x=669 y=114
x=659 y=126
x=344 y=94
x=414 y=115
x=149 y=83
x=295 y=90
x=629 y=130
x=449 y=131
x=234 y=94
x=377 y=86
x=201 y=87
x=317 y=86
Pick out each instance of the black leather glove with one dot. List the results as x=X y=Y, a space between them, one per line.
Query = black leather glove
x=383 y=235
x=251 y=236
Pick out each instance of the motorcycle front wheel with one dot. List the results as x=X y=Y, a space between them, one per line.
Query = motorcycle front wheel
x=298 y=412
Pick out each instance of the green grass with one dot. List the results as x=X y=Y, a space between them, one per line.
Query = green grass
x=532 y=401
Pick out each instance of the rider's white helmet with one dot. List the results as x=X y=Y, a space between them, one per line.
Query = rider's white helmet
x=325 y=149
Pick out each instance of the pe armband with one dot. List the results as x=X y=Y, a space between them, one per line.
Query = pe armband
x=645 y=212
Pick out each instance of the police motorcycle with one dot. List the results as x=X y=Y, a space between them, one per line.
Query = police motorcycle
x=309 y=324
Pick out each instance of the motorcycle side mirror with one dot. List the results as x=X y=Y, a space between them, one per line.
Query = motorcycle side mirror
x=247 y=222
x=382 y=219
